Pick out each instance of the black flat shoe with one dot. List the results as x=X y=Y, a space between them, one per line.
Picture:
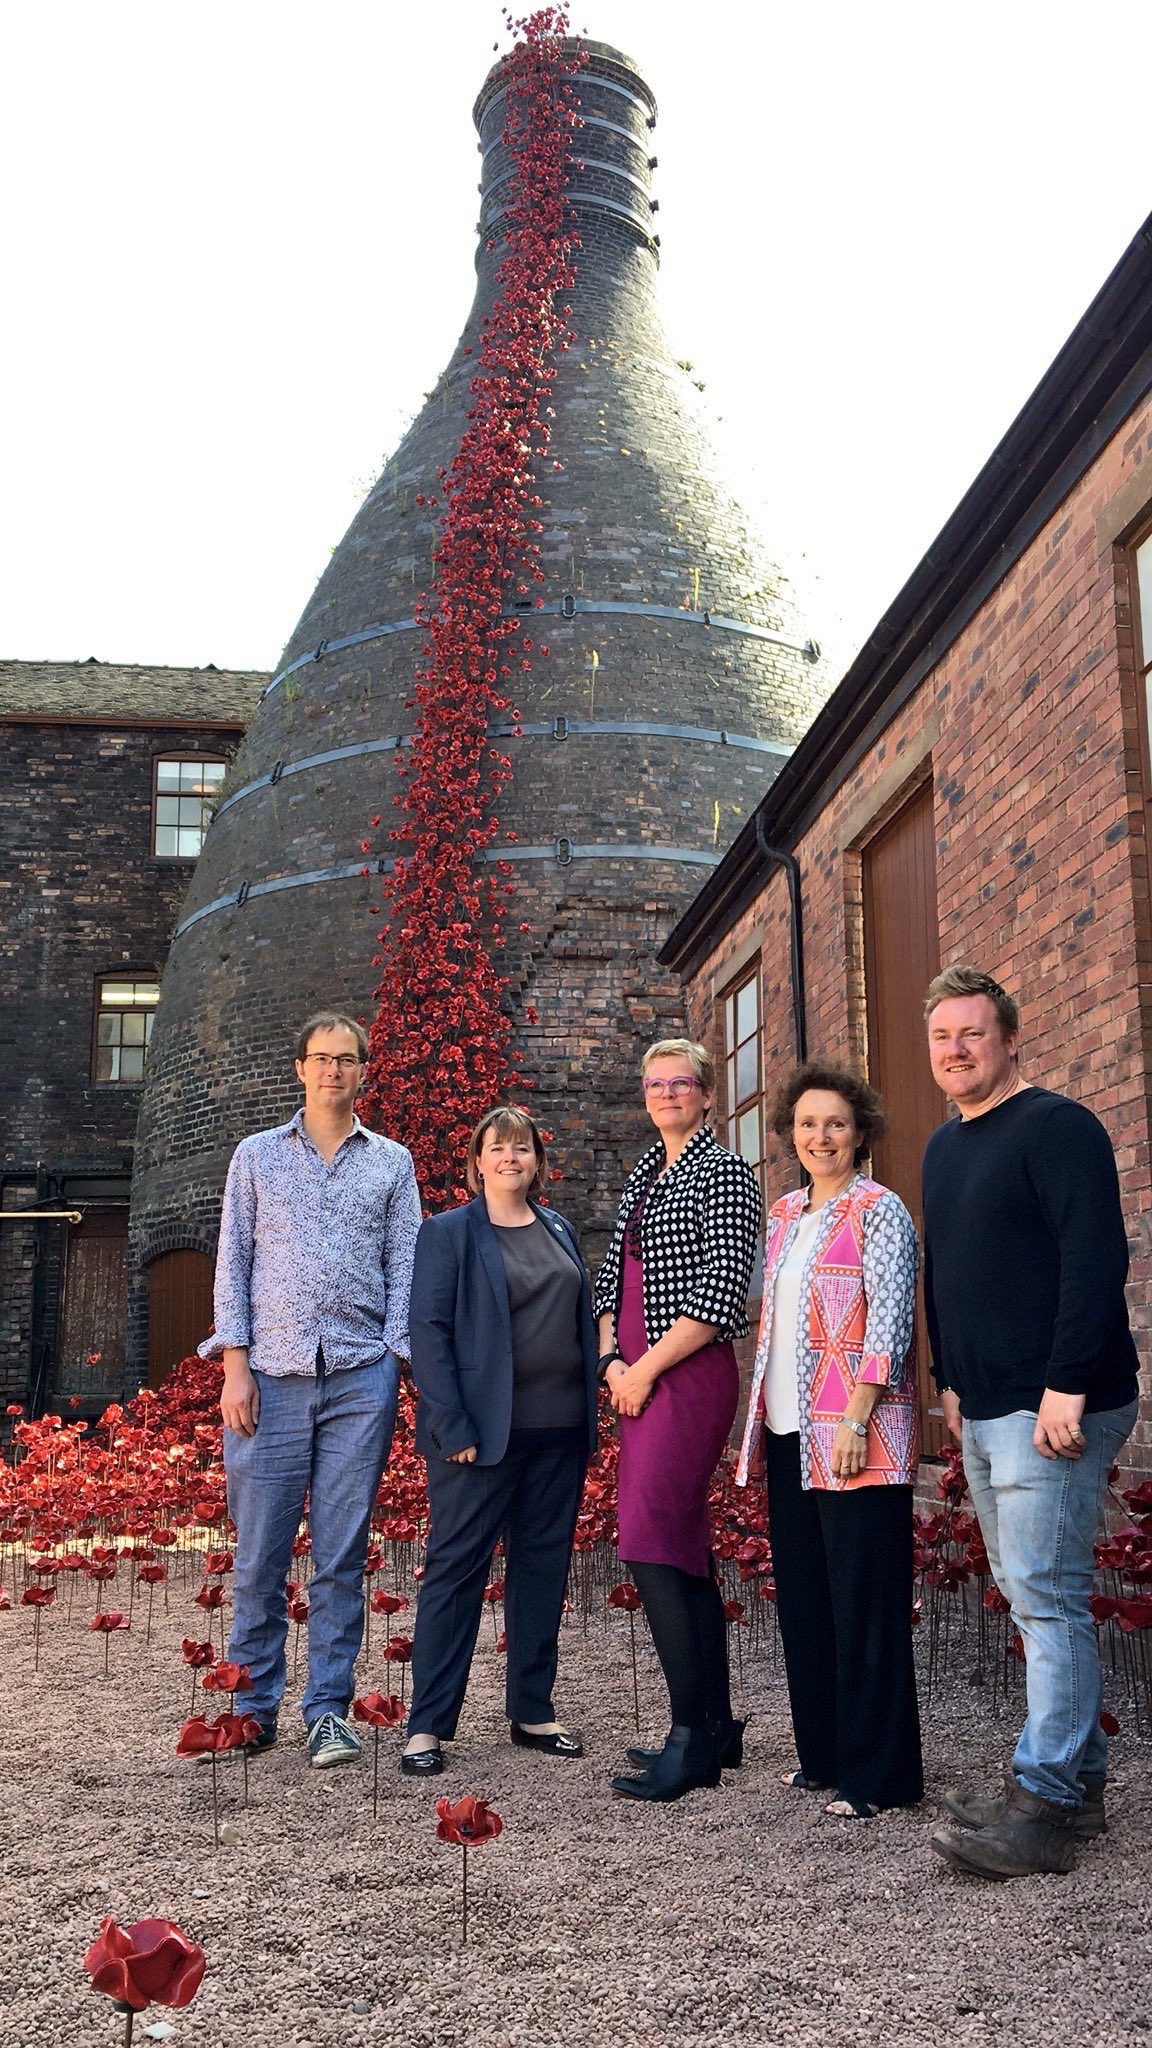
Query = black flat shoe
x=423 y=1763
x=557 y=1743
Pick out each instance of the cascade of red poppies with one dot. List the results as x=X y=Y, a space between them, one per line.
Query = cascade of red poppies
x=441 y=1049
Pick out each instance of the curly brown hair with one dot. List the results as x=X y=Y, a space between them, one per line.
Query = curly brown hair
x=863 y=1101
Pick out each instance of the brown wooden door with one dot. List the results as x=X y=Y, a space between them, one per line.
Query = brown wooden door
x=179 y=1309
x=90 y=1353
x=901 y=956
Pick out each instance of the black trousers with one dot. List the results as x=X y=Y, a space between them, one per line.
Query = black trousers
x=531 y=1499
x=843 y=1566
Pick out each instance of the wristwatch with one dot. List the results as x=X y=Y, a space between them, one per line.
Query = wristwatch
x=609 y=1358
x=857 y=1428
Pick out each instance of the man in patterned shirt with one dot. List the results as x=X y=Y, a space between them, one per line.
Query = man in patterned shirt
x=313 y=1275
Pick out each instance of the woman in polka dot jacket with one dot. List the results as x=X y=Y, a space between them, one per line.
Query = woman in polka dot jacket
x=670 y=1298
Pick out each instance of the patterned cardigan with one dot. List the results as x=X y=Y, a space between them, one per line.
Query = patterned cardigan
x=856 y=1325
x=697 y=1238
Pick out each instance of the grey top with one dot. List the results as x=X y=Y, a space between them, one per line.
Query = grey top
x=312 y=1253
x=544 y=1298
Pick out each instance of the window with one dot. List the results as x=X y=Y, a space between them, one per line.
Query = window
x=124 y=1013
x=1140 y=582
x=1144 y=615
x=185 y=796
x=743 y=1088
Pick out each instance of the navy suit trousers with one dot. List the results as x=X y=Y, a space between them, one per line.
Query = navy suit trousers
x=531 y=1500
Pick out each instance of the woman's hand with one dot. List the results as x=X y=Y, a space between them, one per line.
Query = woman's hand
x=467 y=1457
x=631 y=1390
x=849 y=1452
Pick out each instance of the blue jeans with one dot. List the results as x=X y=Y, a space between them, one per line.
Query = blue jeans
x=326 y=1436
x=1040 y=1518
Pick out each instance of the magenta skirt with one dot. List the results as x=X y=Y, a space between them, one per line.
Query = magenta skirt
x=669 y=1453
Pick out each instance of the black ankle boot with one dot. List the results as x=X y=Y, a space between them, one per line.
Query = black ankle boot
x=729 y=1744
x=688 y=1759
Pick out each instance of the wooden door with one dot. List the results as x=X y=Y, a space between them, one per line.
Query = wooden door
x=179 y=1309
x=901 y=956
x=90 y=1354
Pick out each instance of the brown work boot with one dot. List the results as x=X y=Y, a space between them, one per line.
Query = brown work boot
x=973 y=1811
x=1031 y=1835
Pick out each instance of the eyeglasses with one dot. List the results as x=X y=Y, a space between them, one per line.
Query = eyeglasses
x=343 y=1060
x=680 y=1084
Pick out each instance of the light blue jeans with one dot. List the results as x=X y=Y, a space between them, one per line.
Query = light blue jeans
x=1040 y=1518
x=326 y=1436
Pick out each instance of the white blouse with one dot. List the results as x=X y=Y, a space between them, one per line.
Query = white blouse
x=781 y=1374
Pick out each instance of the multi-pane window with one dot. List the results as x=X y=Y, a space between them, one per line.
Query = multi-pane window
x=186 y=792
x=1144 y=609
x=1141 y=560
x=124 y=1013
x=743 y=1087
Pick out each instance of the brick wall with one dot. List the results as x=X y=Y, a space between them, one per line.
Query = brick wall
x=81 y=897
x=1029 y=729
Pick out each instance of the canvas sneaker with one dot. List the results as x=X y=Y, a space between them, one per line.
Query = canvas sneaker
x=332 y=1741
x=269 y=1731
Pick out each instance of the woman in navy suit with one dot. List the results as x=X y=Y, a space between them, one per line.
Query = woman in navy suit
x=504 y=1357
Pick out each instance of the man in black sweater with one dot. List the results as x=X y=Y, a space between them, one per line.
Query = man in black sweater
x=1025 y=1262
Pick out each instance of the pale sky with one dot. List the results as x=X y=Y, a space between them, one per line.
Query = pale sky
x=237 y=246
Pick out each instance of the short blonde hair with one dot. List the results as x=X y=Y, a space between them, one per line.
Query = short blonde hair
x=697 y=1056
x=505 y=1122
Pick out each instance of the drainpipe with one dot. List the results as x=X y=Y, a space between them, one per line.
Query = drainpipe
x=777 y=856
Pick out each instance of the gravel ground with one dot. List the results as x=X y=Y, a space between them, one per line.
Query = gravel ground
x=740 y=1915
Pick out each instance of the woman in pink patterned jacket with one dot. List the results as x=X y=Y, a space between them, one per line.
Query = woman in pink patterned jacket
x=833 y=1429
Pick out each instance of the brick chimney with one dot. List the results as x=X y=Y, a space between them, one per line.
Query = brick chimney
x=678 y=679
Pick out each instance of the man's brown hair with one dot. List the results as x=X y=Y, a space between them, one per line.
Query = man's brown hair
x=972 y=981
x=332 y=1020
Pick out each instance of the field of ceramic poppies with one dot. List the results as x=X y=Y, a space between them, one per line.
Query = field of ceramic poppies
x=139 y=1828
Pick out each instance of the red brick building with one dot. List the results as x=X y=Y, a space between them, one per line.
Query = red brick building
x=977 y=788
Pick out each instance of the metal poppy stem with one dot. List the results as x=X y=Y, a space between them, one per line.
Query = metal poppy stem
x=376 y=1773
x=464 y=1911
x=128 y=2019
x=215 y=1802
x=107 y=1647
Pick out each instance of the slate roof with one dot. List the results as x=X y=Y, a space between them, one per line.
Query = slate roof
x=123 y=692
